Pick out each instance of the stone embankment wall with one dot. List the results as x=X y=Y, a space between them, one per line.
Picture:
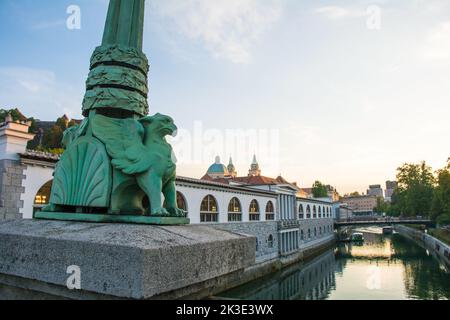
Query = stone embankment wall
x=441 y=249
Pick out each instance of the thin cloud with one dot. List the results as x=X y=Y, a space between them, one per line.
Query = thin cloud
x=49 y=24
x=37 y=93
x=437 y=47
x=226 y=28
x=336 y=12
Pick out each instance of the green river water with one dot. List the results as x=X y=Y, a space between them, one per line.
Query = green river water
x=382 y=268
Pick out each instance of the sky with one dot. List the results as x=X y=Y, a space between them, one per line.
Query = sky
x=338 y=91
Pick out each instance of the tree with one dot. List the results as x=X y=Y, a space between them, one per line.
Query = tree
x=15 y=114
x=415 y=189
x=440 y=207
x=382 y=206
x=319 y=190
x=53 y=138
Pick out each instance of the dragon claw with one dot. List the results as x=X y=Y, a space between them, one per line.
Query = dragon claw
x=160 y=212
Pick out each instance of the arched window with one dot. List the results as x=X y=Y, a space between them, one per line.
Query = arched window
x=270 y=241
x=315 y=232
x=320 y=212
x=181 y=202
x=42 y=197
x=308 y=212
x=254 y=214
x=301 y=213
x=314 y=212
x=209 y=210
x=309 y=233
x=234 y=210
x=302 y=235
x=270 y=211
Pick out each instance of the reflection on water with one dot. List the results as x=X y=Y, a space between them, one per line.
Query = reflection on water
x=383 y=267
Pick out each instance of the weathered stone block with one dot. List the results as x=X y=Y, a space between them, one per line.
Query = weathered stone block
x=11 y=216
x=128 y=261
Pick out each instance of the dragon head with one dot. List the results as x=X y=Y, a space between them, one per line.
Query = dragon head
x=159 y=124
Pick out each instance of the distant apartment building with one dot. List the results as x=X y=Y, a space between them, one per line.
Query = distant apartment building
x=390 y=188
x=375 y=190
x=361 y=205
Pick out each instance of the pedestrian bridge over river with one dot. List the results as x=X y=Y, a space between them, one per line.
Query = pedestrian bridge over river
x=382 y=222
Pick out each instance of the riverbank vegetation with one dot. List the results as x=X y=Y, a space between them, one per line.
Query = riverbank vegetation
x=441 y=234
x=420 y=192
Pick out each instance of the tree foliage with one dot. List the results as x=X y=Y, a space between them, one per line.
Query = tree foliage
x=319 y=190
x=51 y=137
x=415 y=189
x=420 y=193
x=382 y=206
x=440 y=207
x=15 y=114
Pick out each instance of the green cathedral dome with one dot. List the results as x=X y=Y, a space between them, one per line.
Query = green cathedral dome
x=218 y=168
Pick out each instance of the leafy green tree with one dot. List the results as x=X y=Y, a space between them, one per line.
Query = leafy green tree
x=15 y=114
x=440 y=207
x=319 y=190
x=415 y=189
x=53 y=138
x=382 y=206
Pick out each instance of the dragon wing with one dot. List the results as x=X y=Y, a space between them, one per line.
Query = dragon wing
x=123 y=140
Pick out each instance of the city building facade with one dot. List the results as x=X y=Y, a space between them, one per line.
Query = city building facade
x=390 y=188
x=375 y=190
x=270 y=209
x=361 y=205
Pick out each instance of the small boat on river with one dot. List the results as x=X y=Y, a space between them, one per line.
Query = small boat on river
x=357 y=237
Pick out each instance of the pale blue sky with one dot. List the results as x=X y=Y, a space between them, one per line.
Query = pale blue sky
x=350 y=103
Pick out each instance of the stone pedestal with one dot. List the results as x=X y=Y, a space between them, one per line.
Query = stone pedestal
x=116 y=260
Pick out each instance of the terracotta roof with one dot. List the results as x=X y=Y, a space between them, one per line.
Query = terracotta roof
x=224 y=185
x=207 y=177
x=251 y=180
x=256 y=180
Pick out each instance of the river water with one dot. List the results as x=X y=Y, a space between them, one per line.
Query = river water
x=382 y=268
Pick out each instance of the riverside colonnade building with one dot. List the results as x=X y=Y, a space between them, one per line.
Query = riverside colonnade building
x=285 y=224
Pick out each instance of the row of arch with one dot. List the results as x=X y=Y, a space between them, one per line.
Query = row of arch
x=209 y=210
x=316 y=212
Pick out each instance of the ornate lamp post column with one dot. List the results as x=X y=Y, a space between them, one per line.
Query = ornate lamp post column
x=117 y=84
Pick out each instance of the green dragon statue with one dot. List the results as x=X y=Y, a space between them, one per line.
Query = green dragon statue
x=118 y=156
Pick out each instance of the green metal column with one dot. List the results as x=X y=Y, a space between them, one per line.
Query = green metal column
x=117 y=84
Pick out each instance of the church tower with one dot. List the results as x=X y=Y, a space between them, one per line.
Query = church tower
x=254 y=168
x=231 y=169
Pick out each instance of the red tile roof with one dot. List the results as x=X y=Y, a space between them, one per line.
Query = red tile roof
x=251 y=180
